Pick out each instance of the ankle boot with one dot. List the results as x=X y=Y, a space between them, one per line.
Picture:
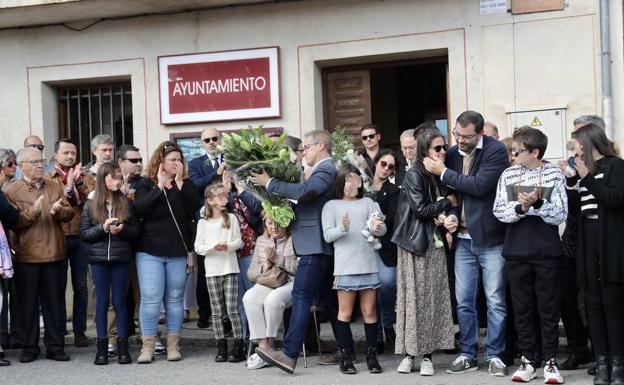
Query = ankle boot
x=237 y=354
x=147 y=351
x=173 y=347
x=346 y=361
x=371 y=360
x=222 y=354
x=122 y=351
x=617 y=370
x=602 y=371
x=101 y=356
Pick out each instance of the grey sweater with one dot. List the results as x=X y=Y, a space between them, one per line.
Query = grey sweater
x=352 y=253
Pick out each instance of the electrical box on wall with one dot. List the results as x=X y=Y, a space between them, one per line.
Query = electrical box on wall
x=551 y=121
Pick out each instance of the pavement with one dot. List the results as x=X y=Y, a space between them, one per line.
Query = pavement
x=198 y=367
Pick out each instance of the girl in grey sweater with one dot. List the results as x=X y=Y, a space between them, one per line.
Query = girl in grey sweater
x=355 y=262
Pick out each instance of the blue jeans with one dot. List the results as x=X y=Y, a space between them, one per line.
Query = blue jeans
x=77 y=252
x=110 y=277
x=307 y=285
x=244 y=284
x=386 y=298
x=471 y=263
x=161 y=279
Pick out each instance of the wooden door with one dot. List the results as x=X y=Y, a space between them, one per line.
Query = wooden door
x=347 y=100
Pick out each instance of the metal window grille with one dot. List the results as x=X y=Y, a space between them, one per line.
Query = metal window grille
x=89 y=110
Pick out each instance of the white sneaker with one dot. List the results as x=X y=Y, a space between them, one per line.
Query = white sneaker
x=525 y=373
x=255 y=362
x=551 y=373
x=406 y=365
x=159 y=348
x=426 y=367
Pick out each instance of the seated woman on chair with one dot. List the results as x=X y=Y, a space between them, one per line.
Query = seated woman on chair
x=272 y=270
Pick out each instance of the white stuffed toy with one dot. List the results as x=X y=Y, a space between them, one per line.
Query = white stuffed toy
x=367 y=232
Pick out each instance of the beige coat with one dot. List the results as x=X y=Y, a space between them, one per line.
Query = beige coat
x=287 y=261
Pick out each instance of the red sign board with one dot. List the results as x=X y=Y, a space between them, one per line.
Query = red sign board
x=219 y=86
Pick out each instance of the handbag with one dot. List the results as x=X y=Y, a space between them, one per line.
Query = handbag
x=274 y=277
x=191 y=257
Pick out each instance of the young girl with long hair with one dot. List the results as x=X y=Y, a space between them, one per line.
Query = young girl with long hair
x=106 y=224
x=355 y=262
x=218 y=237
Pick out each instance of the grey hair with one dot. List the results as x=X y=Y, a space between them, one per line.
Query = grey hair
x=584 y=120
x=409 y=133
x=5 y=156
x=321 y=136
x=98 y=140
x=21 y=154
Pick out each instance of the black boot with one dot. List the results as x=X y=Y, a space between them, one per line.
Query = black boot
x=574 y=360
x=602 y=371
x=617 y=370
x=237 y=354
x=371 y=360
x=101 y=356
x=122 y=351
x=390 y=336
x=222 y=354
x=346 y=361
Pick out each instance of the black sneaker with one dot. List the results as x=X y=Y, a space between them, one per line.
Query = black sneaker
x=463 y=364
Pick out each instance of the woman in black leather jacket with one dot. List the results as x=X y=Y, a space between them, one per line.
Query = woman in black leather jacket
x=424 y=320
x=106 y=224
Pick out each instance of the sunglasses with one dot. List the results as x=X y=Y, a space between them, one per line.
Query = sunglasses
x=365 y=137
x=37 y=146
x=170 y=147
x=389 y=166
x=134 y=160
x=11 y=164
x=517 y=151
x=214 y=139
x=440 y=147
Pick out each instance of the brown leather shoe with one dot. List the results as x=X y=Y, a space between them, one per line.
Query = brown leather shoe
x=81 y=340
x=277 y=358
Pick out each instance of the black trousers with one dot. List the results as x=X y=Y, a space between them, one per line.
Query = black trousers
x=37 y=283
x=9 y=330
x=201 y=291
x=576 y=333
x=604 y=301
x=536 y=282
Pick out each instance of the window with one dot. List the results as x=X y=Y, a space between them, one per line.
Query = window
x=89 y=110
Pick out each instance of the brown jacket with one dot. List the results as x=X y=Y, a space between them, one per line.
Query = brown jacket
x=39 y=236
x=88 y=184
x=287 y=259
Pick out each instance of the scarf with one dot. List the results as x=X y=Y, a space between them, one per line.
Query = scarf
x=6 y=265
x=62 y=175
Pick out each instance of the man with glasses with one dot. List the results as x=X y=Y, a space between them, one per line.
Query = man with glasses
x=39 y=254
x=67 y=172
x=370 y=140
x=472 y=168
x=33 y=141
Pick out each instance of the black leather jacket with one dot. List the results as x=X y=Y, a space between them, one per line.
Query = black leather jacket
x=414 y=224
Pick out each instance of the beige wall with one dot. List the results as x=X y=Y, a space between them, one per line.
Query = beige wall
x=497 y=63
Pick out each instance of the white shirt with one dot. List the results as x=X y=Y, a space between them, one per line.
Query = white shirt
x=210 y=232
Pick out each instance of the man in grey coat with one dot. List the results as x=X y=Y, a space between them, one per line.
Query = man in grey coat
x=308 y=241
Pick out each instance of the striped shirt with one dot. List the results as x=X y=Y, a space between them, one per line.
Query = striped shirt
x=589 y=203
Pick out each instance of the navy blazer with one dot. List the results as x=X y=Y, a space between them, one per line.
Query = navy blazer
x=311 y=195
x=201 y=173
x=477 y=191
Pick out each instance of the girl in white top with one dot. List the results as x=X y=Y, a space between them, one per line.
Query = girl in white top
x=218 y=238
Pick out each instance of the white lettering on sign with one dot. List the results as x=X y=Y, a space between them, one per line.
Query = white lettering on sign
x=220 y=86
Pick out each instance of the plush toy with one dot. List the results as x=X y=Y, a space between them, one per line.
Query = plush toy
x=367 y=232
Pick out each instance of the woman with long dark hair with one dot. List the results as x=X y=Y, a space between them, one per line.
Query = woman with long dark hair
x=424 y=319
x=165 y=202
x=106 y=224
x=600 y=263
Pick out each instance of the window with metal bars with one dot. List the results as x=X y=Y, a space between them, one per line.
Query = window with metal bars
x=89 y=110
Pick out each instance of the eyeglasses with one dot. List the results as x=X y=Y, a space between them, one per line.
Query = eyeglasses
x=440 y=147
x=307 y=146
x=389 y=166
x=299 y=150
x=214 y=139
x=515 y=151
x=37 y=146
x=464 y=137
x=366 y=137
x=34 y=162
x=134 y=160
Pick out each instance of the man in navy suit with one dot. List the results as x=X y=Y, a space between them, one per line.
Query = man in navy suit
x=202 y=171
x=472 y=168
x=308 y=240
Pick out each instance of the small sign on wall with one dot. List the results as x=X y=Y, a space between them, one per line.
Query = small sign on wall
x=219 y=86
x=551 y=122
x=487 y=7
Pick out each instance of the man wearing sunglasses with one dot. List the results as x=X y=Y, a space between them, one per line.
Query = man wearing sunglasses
x=68 y=173
x=370 y=140
x=472 y=168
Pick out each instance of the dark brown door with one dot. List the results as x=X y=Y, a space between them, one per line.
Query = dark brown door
x=347 y=100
